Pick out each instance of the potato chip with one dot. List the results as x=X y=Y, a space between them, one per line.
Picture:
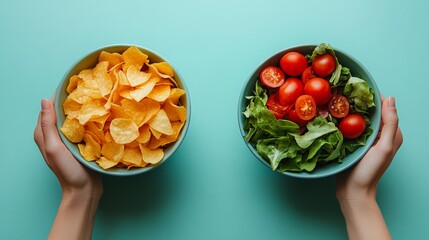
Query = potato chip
x=136 y=110
x=132 y=156
x=152 y=156
x=164 y=68
x=152 y=108
x=91 y=150
x=133 y=56
x=96 y=132
x=174 y=112
x=159 y=93
x=74 y=81
x=105 y=83
x=106 y=163
x=155 y=133
x=113 y=59
x=175 y=95
x=113 y=151
x=71 y=108
x=136 y=77
x=91 y=109
x=143 y=90
x=145 y=134
x=72 y=130
x=123 y=130
x=161 y=123
x=123 y=111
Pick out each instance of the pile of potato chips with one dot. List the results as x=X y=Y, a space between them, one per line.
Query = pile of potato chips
x=124 y=111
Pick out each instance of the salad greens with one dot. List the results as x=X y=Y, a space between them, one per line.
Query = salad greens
x=287 y=147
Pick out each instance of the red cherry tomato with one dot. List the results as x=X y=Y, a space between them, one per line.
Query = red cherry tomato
x=272 y=77
x=293 y=63
x=276 y=108
x=290 y=91
x=324 y=65
x=293 y=116
x=305 y=107
x=339 y=106
x=308 y=74
x=352 y=126
x=319 y=89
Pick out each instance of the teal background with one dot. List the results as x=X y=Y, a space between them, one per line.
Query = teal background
x=213 y=187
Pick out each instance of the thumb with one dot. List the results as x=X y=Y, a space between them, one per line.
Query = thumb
x=390 y=122
x=49 y=131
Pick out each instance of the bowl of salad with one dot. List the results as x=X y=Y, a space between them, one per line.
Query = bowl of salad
x=309 y=111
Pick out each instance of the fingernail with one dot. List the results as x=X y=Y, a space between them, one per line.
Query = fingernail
x=391 y=102
x=45 y=104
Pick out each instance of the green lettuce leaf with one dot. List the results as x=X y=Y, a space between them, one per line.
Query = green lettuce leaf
x=359 y=94
x=316 y=128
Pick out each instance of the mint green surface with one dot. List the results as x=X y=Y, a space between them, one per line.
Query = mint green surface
x=212 y=187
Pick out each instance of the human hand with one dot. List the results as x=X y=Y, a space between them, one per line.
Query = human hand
x=81 y=187
x=361 y=180
x=356 y=187
x=73 y=177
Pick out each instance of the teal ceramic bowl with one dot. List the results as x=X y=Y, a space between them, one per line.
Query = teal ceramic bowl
x=357 y=69
x=89 y=61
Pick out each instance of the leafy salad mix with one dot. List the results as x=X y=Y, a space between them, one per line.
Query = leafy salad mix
x=309 y=112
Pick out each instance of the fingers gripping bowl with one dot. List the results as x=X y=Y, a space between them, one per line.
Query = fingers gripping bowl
x=294 y=132
x=122 y=110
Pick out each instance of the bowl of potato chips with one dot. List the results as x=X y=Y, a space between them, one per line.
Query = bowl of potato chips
x=122 y=110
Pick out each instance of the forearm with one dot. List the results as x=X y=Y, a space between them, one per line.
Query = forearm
x=75 y=217
x=364 y=219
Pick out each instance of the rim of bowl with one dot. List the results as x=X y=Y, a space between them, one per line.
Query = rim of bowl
x=93 y=165
x=375 y=123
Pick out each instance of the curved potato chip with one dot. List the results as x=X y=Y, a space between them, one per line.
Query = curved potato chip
x=175 y=95
x=152 y=156
x=72 y=130
x=152 y=107
x=145 y=134
x=71 y=108
x=132 y=156
x=164 y=68
x=112 y=58
x=73 y=83
x=133 y=56
x=143 y=90
x=91 y=109
x=174 y=112
x=105 y=83
x=113 y=151
x=123 y=130
x=136 y=110
x=161 y=123
x=91 y=150
x=106 y=163
x=160 y=93
x=136 y=77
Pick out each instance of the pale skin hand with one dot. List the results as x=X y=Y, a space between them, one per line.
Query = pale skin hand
x=81 y=187
x=356 y=188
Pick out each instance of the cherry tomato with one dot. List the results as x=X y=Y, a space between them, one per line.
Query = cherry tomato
x=290 y=91
x=293 y=116
x=319 y=89
x=352 y=126
x=308 y=74
x=324 y=65
x=293 y=63
x=276 y=108
x=305 y=107
x=339 y=106
x=272 y=77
